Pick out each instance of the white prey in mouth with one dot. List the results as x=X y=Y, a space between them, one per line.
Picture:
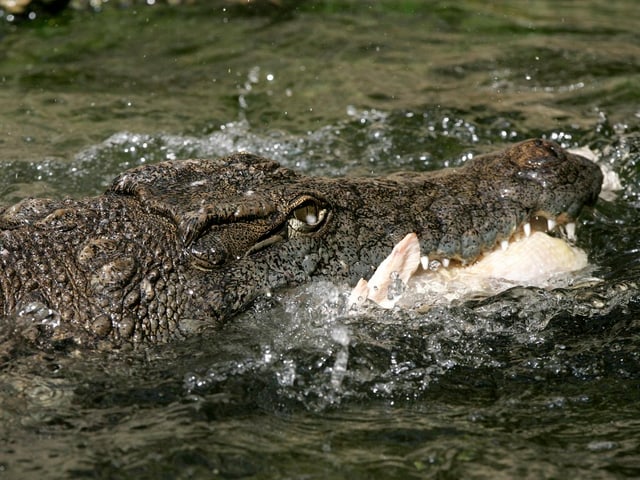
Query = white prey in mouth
x=407 y=278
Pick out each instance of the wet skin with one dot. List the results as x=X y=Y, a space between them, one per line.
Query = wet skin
x=174 y=248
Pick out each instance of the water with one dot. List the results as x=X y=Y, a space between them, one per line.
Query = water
x=530 y=383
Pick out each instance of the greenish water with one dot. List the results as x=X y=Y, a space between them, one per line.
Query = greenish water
x=527 y=384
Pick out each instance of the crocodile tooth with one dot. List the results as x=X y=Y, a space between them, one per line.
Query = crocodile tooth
x=445 y=262
x=571 y=231
x=551 y=224
x=527 y=229
x=504 y=244
x=424 y=261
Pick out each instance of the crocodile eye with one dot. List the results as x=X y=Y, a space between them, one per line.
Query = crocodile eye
x=308 y=216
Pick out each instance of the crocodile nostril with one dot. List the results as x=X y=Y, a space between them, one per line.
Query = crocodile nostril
x=555 y=149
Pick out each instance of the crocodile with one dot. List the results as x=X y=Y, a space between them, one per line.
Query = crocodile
x=180 y=247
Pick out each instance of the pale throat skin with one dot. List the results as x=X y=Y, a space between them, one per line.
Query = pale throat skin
x=181 y=246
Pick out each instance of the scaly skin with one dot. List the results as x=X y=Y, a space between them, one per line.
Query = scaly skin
x=180 y=246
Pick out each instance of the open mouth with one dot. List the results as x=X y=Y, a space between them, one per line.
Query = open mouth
x=560 y=226
x=537 y=251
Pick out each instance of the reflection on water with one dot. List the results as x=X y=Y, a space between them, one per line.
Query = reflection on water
x=530 y=383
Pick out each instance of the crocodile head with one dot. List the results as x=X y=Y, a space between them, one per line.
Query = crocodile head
x=181 y=245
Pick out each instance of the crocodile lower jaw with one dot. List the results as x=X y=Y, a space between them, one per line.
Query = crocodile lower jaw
x=404 y=279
